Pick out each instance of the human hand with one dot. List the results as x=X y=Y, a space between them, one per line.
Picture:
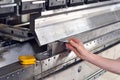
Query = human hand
x=77 y=46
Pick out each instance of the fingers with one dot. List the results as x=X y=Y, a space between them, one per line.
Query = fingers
x=74 y=39
x=76 y=45
x=74 y=50
x=71 y=48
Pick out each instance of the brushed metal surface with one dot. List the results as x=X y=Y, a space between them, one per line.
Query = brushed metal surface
x=69 y=24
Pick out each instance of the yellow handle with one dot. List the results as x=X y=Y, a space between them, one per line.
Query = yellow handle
x=27 y=59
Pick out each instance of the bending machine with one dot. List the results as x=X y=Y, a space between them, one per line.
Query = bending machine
x=42 y=27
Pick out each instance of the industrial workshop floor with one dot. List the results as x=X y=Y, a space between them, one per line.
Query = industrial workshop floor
x=109 y=76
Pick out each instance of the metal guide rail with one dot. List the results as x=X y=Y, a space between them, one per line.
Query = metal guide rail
x=18 y=33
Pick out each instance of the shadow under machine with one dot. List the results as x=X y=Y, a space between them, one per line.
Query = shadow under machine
x=42 y=27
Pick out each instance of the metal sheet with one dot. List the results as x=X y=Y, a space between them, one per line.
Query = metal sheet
x=85 y=36
x=73 y=23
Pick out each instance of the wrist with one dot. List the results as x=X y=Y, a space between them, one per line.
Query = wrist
x=90 y=57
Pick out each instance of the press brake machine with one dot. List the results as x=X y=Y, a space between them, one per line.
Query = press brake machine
x=41 y=28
